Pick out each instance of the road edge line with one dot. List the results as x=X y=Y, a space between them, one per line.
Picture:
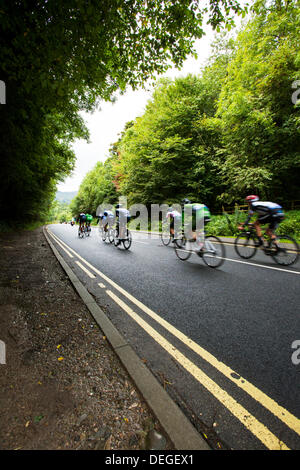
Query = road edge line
x=175 y=424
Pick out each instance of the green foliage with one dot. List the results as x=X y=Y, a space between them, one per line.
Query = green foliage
x=231 y=131
x=226 y=226
x=59 y=212
x=260 y=124
x=58 y=58
x=170 y=152
x=290 y=225
x=97 y=187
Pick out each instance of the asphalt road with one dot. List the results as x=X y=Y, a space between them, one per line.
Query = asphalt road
x=219 y=340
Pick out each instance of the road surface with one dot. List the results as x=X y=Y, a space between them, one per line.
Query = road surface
x=223 y=342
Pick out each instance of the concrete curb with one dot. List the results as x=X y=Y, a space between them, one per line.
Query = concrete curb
x=175 y=424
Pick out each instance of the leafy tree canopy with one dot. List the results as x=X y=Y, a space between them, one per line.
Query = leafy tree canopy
x=58 y=58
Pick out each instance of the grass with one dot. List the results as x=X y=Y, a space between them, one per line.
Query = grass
x=18 y=227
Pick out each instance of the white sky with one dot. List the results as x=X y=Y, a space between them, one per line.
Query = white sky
x=105 y=124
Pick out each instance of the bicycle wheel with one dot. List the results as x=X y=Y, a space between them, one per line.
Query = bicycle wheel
x=213 y=252
x=286 y=250
x=104 y=235
x=116 y=238
x=111 y=235
x=127 y=241
x=182 y=248
x=165 y=236
x=245 y=245
x=80 y=234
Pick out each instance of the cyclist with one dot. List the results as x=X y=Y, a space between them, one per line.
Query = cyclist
x=268 y=213
x=122 y=218
x=81 y=219
x=89 y=219
x=108 y=219
x=174 y=216
x=196 y=213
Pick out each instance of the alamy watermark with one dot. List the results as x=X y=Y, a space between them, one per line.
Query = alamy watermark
x=2 y=92
x=2 y=352
x=296 y=94
x=296 y=353
x=145 y=219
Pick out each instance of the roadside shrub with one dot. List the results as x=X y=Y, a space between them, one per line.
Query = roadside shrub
x=290 y=225
x=226 y=225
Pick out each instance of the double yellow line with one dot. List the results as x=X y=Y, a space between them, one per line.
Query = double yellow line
x=250 y=422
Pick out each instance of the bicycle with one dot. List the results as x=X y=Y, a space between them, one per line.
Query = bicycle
x=107 y=234
x=166 y=236
x=284 y=249
x=87 y=230
x=211 y=250
x=126 y=240
x=81 y=231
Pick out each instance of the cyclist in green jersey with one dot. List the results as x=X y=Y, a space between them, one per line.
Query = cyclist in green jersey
x=89 y=219
x=194 y=217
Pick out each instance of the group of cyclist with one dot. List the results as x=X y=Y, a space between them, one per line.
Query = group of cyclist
x=119 y=219
x=107 y=219
x=267 y=213
x=84 y=222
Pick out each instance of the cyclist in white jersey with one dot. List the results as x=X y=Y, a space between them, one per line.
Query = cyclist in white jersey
x=108 y=219
x=173 y=215
x=122 y=218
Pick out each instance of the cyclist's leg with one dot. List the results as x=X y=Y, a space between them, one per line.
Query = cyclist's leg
x=272 y=227
x=172 y=231
x=257 y=227
x=258 y=230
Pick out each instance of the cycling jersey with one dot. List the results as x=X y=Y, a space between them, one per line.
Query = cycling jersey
x=265 y=209
x=108 y=214
x=82 y=217
x=123 y=214
x=108 y=217
x=268 y=213
x=173 y=214
x=89 y=218
x=197 y=212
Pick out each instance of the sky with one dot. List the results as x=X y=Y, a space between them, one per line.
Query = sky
x=106 y=124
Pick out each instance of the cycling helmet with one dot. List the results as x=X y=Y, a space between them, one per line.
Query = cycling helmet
x=185 y=201
x=252 y=198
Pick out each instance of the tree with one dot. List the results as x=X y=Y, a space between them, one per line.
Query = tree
x=60 y=57
x=260 y=124
x=171 y=151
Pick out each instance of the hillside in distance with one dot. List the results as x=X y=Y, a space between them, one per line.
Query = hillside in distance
x=65 y=196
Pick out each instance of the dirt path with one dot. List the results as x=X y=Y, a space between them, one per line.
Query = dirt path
x=62 y=387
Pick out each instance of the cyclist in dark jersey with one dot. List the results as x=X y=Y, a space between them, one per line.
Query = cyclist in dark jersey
x=81 y=219
x=267 y=212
